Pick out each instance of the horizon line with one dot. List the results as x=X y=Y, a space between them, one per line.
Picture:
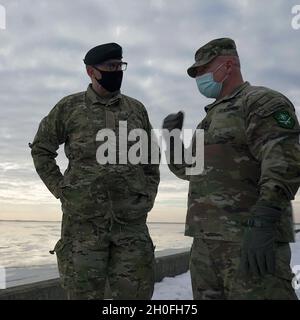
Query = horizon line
x=161 y=222
x=26 y=220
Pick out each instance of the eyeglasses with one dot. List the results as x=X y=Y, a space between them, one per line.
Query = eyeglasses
x=112 y=66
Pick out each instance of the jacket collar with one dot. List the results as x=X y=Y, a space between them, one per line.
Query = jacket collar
x=230 y=96
x=94 y=98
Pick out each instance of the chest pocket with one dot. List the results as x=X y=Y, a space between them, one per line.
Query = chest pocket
x=110 y=120
x=124 y=116
x=83 y=128
x=226 y=125
x=133 y=120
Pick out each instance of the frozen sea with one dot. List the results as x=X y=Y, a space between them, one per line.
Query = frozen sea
x=25 y=245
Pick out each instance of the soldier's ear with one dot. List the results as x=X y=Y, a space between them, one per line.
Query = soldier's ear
x=90 y=71
x=229 y=66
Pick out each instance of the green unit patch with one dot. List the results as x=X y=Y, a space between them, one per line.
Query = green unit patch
x=284 y=119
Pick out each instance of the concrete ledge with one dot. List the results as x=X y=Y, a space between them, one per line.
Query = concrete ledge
x=171 y=265
x=166 y=266
x=43 y=290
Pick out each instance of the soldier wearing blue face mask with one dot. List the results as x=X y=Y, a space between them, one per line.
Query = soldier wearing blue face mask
x=239 y=208
x=208 y=86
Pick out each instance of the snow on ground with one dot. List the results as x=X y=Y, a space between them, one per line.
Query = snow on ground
x=295 y=262
x=177 y=288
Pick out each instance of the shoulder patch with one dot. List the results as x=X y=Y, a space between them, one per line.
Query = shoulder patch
x=284 y=119
x=270 y=107
x=264 y=101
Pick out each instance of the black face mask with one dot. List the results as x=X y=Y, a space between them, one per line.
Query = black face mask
x=111 y=80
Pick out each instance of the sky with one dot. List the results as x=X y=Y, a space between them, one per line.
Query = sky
x=41 y=54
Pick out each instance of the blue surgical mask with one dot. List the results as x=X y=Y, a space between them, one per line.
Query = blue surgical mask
x=208 y=86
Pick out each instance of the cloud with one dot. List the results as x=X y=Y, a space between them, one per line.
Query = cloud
x=45 y=41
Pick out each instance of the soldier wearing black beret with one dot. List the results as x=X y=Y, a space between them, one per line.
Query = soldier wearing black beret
x=104 y=233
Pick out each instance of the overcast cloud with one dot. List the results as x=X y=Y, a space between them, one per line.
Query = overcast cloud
x=41 y=56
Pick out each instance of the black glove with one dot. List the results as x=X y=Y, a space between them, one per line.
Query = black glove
x=173 y=121
x=258 y=247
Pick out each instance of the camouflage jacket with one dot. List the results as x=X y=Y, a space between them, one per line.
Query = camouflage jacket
x=88 y=189
x=251 y=156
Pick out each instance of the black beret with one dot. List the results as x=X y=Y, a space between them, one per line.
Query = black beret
x=102 y=53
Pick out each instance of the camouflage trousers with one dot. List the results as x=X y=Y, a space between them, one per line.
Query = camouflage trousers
x=89 y=255
x=214 y=267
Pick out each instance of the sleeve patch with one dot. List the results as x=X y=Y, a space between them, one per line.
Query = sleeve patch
x=284 y=119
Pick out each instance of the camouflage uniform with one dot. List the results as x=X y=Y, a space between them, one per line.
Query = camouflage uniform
x=104 y=232
x=251 y=156
x=214 y=268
